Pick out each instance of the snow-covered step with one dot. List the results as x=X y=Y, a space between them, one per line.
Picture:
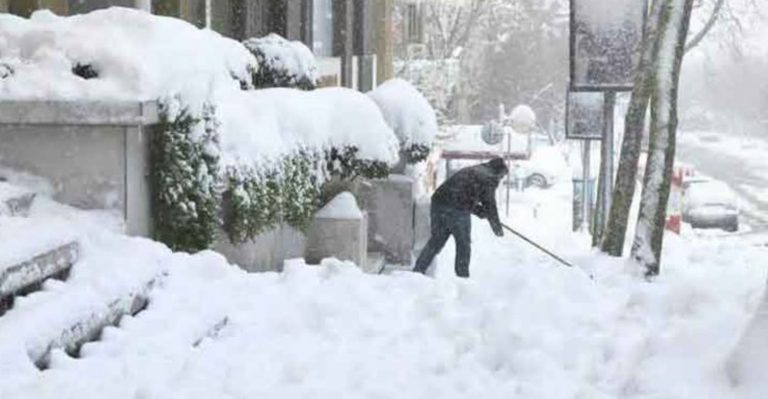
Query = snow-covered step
x=389 y=268
x=113 y=278
x=14 y=200
x=28 y=276
x=87 y=329
x=196 y=318
x=31 y=251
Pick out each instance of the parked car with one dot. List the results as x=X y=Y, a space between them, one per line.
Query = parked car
x=546 y=166
x=710 y=204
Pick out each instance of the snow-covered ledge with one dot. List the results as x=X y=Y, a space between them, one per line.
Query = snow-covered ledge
x=119 y=113
x=95 y=154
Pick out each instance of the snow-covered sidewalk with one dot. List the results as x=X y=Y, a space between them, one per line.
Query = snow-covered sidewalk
x=520 y=327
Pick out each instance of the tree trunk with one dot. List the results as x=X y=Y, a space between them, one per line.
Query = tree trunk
x=624 y=191
x=649 y=233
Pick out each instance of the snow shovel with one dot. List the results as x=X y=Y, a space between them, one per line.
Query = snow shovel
x=539 y=247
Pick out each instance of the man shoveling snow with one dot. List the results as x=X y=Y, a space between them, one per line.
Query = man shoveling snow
x=471 y=190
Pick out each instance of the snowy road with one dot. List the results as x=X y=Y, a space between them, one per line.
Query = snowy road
x=733 y=162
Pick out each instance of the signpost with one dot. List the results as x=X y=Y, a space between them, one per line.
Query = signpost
x=605 y=43
x=605 y=39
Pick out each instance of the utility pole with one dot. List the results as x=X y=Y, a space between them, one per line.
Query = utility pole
x=586 y=193
x=606 y=169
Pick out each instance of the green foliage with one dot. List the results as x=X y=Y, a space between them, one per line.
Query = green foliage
x=416 y=153
x=266 y=77
x=252 y=203
x=345 y=164
x=185 y=170
x=5 y=70
x=85 y=71
x=188 y=203
x=300 y=189
x=259 y=201
x=272 y=72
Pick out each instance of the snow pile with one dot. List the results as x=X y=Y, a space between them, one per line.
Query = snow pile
x=343 y=206
x=111 y=269
x=135 y=55
x=22 y=238
x=521 y=327
x=406 y=111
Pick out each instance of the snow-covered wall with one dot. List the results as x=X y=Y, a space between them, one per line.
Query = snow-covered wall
x=127 y=54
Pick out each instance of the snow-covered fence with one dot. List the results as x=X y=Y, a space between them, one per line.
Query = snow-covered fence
x=95 y=154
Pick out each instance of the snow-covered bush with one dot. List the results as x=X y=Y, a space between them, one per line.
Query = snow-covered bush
x=251 y=206
x=185 y=174
x=438 y=80
x=410 y=115
x=345 y=163
x=5 y=70
x=85 y=71
x=282 y=63
x=258 y=199
x=262 y=153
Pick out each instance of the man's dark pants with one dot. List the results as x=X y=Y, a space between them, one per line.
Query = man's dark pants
x=445 y=222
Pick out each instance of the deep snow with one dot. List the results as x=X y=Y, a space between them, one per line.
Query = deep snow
x=520 y=327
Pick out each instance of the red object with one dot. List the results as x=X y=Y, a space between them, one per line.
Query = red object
x=674 y=205
x=674 y=223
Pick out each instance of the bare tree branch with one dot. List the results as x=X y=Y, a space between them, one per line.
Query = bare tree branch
x=698 y=37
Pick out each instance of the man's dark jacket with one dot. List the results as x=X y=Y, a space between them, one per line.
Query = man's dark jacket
x=473 y=189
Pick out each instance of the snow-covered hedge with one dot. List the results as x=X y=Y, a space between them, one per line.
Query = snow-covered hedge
x=282 y=63
x=268 y=150
x=409 y=114
x=185 y=171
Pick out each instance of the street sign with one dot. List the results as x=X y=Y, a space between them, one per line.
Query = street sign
x=605 y=43
x=492 y=133
x=585 y=115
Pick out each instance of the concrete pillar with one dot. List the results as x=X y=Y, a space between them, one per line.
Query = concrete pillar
x=145 y=5
x=343 y=29
x=339 y=231
x=363 y=44
x=3 y=5
x=389 y=204
x=384 y=40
